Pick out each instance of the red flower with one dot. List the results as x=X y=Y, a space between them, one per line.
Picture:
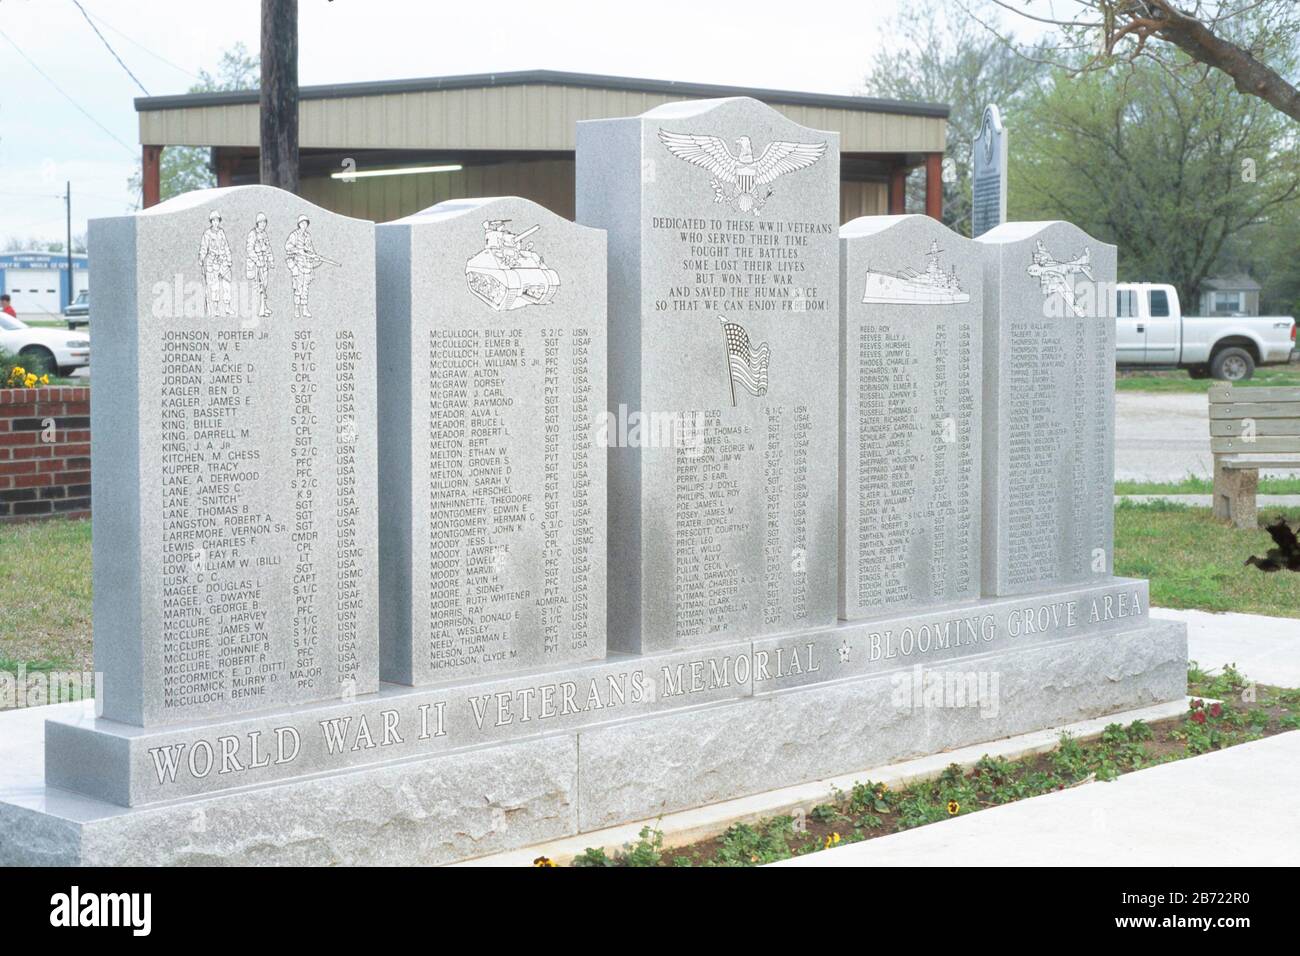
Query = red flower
x=1199 y=717
x=1198 y=704
x=1216 y=710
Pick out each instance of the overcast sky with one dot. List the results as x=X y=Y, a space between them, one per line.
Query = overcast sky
x=45 y=139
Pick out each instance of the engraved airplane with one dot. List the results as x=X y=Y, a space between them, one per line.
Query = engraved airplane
x=1053 y=275
x=738 y=176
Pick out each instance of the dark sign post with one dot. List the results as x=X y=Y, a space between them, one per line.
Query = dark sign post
x=989 y=177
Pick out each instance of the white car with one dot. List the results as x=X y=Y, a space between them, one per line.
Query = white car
x=56 y=351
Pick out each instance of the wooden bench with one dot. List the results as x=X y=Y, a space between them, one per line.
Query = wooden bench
x=1250 y=429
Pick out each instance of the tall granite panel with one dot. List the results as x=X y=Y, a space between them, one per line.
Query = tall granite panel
x=1049 y=407
x=492 y=324
x=234 y=449
x=723 y=283
x=911 y=329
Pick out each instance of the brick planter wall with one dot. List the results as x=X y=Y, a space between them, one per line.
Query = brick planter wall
x=41 y=478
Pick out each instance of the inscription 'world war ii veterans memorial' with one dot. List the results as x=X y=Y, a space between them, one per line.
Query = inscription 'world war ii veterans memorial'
x=418 y=542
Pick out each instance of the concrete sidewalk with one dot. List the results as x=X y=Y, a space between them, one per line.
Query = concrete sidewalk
x=1230 y=807
x=1265 y=649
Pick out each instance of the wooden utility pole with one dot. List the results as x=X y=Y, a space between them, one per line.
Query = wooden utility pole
x=279 y=97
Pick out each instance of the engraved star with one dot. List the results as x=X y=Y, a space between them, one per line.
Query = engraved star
x=845 y=650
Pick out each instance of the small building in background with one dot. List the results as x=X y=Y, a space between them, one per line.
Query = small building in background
x=1229 y=295
x=38 y=282
x=413 y=143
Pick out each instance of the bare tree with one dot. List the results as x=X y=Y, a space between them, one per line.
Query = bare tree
x=1230 y=36
x=950 y=59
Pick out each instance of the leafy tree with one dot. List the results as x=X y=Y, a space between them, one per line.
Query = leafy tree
x=942 y=58
x=185 y=168
x=1274 y=265
x=1178 y=177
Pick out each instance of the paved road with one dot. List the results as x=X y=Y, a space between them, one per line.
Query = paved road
x=1184 y=813
x=1162 y=436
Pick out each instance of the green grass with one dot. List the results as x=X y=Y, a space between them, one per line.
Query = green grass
x=1192 y=485
x=45 y=595
x=1179 y=381
x=1195 y=561
x=868 y=810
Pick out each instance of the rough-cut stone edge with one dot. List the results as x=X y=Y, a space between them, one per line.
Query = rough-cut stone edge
x=685 y=827
x=643 y=769
x=418 y=812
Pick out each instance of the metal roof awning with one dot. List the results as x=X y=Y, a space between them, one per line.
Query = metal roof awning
x=528 y=110
x=595 y=81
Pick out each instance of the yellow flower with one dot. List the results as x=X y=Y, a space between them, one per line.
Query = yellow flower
x=543 y=861
x=831 y=841
x=31 y=381
x=953 y=808
x=45 y=379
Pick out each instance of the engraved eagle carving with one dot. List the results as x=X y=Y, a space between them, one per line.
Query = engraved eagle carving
x=739 y=178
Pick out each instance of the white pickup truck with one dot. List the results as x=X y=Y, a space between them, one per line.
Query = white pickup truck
x=1151 y=330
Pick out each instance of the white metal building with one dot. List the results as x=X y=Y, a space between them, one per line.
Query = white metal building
x=37 y=282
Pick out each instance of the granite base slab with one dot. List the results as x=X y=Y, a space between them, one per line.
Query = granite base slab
x=468 y=803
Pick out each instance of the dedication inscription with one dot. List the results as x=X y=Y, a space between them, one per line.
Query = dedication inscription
x=722 y=217
x=1049 y=407
x=492 y=468
x=912 y=336
x=234 y=448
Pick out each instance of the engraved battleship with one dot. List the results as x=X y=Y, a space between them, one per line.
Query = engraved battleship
x=507 y=273
x=909 y=287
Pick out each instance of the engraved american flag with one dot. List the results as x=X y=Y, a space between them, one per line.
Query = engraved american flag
x=746 y=365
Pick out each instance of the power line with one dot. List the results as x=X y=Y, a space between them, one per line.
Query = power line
x=136 y=43
x=80 y=108
x=104 y=39
x=59 y=196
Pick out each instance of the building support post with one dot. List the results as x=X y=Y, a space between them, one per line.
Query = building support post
x=934 y=185
x=151 y=175
x=898 y=190
x=224 y=164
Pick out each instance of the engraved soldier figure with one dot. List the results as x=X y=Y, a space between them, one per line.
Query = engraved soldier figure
x=214 y=258
x=259 y=261
x=302 y=258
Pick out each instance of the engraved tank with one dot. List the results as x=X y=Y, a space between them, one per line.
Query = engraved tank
x=507 y=273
